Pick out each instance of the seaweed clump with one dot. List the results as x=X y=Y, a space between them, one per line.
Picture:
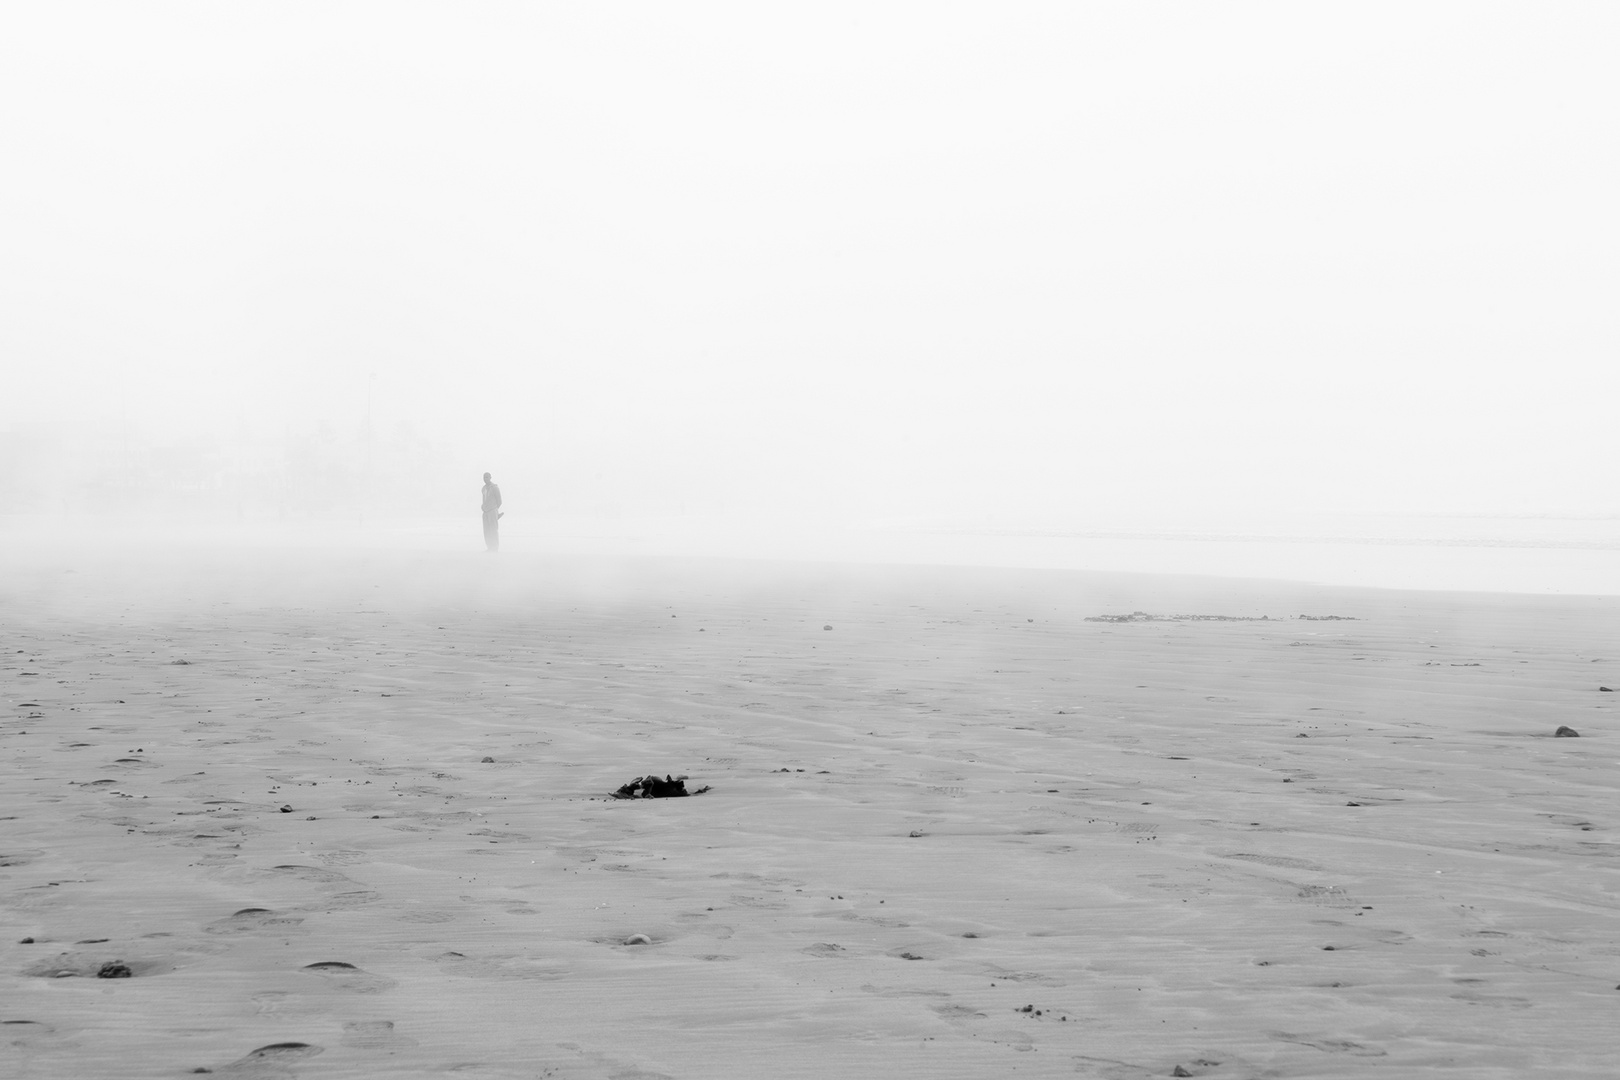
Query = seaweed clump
x=651 y=787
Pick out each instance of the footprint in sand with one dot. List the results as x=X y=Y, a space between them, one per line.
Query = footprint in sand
x=1282 y=861
x=344 y=900
x=96 y=965
x=22 y=1042
x=250 y=919
x=281 y=1003
x=967 y=1017
x=23 y=1034
x=601 y=1063
x=426 y=917
x=1001 y=974
x=1327 y=895
x=268 y=1061
x=1018 y=1040
x=311 y=873
x=315 y=875
x=468 y=967
x=761 y=903
x=959 y=1013
x=375 y=1035
x=347 y=977
x=498 y=967
x=1330 y=1046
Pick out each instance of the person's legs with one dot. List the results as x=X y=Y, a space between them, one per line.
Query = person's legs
x=492 y=525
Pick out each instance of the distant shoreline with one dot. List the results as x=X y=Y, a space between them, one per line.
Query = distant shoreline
x=1542 y=555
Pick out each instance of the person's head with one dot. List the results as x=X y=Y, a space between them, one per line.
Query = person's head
x=486 y=478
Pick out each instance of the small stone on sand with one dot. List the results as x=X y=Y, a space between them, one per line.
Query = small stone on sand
x=638 y=939
x=488 y=761
x=827 y=627
x=1566 y=732
x=114 y=969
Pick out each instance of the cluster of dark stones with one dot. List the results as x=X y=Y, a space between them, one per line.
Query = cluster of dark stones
x=650 y=787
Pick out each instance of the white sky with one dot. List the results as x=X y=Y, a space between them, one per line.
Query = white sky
x=1014 y=258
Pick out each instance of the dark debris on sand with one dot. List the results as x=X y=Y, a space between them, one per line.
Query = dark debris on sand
x=650 y=787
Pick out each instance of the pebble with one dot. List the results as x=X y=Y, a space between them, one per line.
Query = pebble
x=1566 y=732
x=638 y=939
x=488 y=761
x=114 y=969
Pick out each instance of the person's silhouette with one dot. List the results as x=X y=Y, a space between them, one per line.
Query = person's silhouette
x=492 y=514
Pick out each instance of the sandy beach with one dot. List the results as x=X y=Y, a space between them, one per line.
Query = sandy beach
x=350 y=815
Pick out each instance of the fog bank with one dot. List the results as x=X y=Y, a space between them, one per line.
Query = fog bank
x=957 y=264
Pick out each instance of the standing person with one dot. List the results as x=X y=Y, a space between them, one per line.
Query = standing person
x=492 y=514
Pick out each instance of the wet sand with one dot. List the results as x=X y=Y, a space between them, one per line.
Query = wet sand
x=970 y=830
